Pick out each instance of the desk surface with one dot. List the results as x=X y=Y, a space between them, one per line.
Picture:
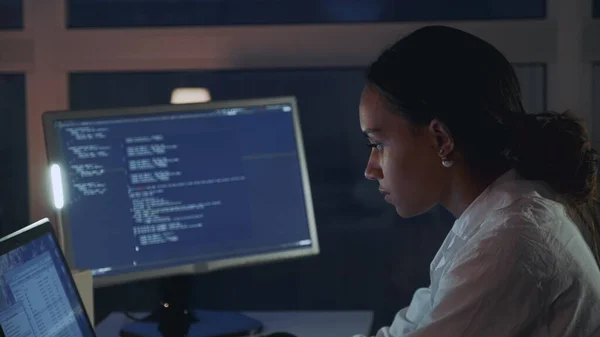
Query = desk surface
x=299 y=323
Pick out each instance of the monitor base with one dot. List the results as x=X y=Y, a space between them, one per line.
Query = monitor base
x=172 y=320
x=173 y=316
x=182 y=322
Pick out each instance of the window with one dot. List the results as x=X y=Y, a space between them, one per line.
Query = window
x=14 y=209
x=137 y=13
x=11 y=14
x=532 y=78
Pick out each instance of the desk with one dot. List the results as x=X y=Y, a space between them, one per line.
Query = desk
x=299 y=323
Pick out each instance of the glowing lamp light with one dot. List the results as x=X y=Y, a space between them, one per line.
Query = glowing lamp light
x=57 y=186
x=190 y=95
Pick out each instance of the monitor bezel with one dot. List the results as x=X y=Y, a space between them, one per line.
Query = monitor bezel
x=54 y=153
x=35 y=231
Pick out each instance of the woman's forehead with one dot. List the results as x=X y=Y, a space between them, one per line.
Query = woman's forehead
x=376 y=113
x=373 y=109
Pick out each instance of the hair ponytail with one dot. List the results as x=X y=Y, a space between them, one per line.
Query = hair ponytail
x=555 y=148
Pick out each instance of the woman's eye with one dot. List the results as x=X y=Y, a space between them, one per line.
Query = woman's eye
x=377 y=146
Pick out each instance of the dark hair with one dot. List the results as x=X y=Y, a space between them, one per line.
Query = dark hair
x=443 y=73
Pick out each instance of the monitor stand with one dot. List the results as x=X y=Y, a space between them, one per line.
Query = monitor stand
x=173 y=316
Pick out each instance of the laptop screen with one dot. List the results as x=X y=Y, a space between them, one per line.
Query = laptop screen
x=38 y=297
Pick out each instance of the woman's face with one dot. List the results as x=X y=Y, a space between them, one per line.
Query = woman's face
x=404 y=159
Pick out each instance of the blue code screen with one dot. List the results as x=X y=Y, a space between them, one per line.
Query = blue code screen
x=148 y=191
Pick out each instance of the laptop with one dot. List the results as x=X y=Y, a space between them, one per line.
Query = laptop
x=38 y=297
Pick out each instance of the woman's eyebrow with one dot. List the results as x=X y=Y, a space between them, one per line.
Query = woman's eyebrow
x=370 y=131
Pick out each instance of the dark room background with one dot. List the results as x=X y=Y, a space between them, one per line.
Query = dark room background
x=370 y=259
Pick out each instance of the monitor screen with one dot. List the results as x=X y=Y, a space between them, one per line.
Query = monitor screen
x=154 y=188
x=37 y=295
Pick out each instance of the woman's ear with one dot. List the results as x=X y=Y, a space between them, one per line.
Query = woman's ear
x=443 y=140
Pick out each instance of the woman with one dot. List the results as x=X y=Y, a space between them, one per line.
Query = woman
x=445 y=121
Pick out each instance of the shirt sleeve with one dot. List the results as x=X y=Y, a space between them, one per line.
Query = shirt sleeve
x=407 y=319
x=490 y=290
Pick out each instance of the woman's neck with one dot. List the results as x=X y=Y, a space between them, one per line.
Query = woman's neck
x=465 y=187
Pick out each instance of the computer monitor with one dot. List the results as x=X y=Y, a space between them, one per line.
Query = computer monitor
x=168 y=190
x=38 y=296
x=179 y=189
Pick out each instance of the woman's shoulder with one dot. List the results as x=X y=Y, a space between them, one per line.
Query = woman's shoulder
x=532 y=218
x=530 y=212
x=537 y=232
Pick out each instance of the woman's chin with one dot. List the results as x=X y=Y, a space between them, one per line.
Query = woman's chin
x=406 y=212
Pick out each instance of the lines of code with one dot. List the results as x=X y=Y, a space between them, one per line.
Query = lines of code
x=160 y=174
x=158 y=189
x=156 y=172
x=87 y=144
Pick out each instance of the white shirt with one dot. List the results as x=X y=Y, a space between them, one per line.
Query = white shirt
x=514 y=264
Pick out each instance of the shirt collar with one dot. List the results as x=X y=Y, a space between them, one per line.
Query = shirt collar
x=492 y=198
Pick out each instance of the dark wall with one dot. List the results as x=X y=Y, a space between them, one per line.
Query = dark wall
x=14 y=202
x=370 y=259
